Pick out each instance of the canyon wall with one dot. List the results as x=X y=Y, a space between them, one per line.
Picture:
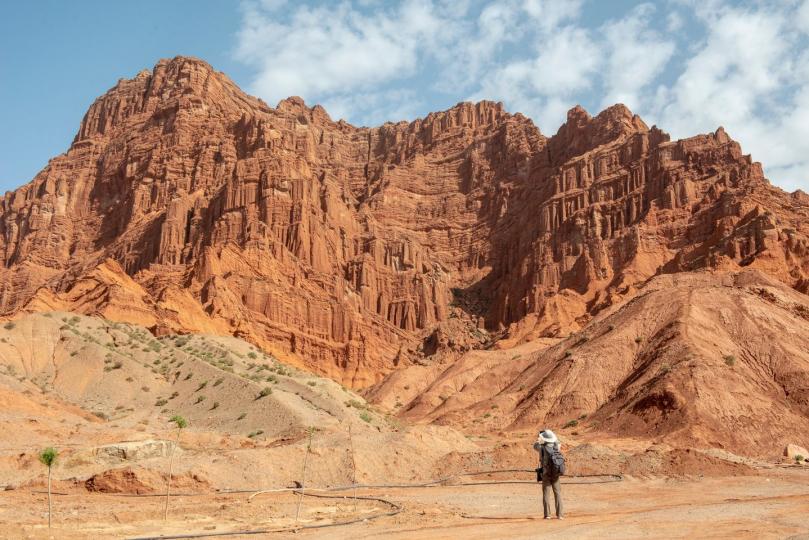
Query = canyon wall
x=184 y=204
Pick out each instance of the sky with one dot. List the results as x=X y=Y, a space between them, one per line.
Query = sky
x=688 y=66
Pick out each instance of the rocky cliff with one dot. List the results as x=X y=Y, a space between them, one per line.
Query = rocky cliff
x=183 y=204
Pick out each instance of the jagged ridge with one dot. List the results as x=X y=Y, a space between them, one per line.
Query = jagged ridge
x=185 y=204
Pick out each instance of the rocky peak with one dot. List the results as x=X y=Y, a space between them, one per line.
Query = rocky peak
x=185 y=204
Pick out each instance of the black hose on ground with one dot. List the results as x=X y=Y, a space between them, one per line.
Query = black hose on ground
x=396 y=509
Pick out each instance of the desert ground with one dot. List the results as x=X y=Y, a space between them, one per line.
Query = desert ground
x=258 y=429
x=772 y=503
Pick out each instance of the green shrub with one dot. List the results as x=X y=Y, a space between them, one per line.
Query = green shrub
x=252 y=355
x=219 y=381
x=160 y=402
x=199 y=400
x=730 y=360
x=354 y=403
x=242 y=416
x=201 y=385
x=9 y=325
x=266 y=391
x=364 y=416
x=799 y=458
x=570 y=424
x=312 y=383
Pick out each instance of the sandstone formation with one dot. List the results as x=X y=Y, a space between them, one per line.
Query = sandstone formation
x=184 y=204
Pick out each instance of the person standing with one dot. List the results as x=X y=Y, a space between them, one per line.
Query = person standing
x=551 y=467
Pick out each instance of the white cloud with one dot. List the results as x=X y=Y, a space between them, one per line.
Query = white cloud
x=549 y=14
x=689 y=67
x=802 y=17
x=329 y=52
x=637 y=55
x=750 y=76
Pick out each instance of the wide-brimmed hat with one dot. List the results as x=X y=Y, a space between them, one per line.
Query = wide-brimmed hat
x=547 y=436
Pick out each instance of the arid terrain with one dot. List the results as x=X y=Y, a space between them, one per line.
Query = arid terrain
x=402 y=308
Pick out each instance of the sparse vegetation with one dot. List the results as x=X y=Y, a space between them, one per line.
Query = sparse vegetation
x=312 y=383
x=219 y=381
x=160 y=402
x=215 y=405
x=799 y=458
x=9 y=325
x=664 y=369
x=255 y=434
x=199 y=400
x=266 y=391
x=242 y=416
x=180 y=423
x=48 y=457
x=365 y=416
x=201 y=385
x=730 y=360
x=252 y=355
x=638 y=339
x=570 y=424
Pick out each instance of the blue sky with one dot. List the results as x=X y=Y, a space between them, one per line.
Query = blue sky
x=688 y=66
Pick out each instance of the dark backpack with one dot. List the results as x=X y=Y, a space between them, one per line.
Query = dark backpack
x=556 y=462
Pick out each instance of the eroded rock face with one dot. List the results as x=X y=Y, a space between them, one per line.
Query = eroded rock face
x=185 y=204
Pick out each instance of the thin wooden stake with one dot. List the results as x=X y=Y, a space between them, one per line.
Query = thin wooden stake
x=353 y=467
x=168 y=486
x=303 y=475
x=49 y=496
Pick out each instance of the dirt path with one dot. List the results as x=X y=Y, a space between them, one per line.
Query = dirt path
x=733 y=507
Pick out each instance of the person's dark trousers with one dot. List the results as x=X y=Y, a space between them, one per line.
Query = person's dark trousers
x=554 y=484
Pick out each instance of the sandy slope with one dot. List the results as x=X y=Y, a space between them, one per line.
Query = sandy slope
x=694 y=359
x=87 y=385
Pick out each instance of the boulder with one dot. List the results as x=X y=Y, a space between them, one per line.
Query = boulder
x=793 y=450
x=133 y=451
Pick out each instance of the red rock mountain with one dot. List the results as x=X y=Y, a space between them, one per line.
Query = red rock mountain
x=185 y=204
